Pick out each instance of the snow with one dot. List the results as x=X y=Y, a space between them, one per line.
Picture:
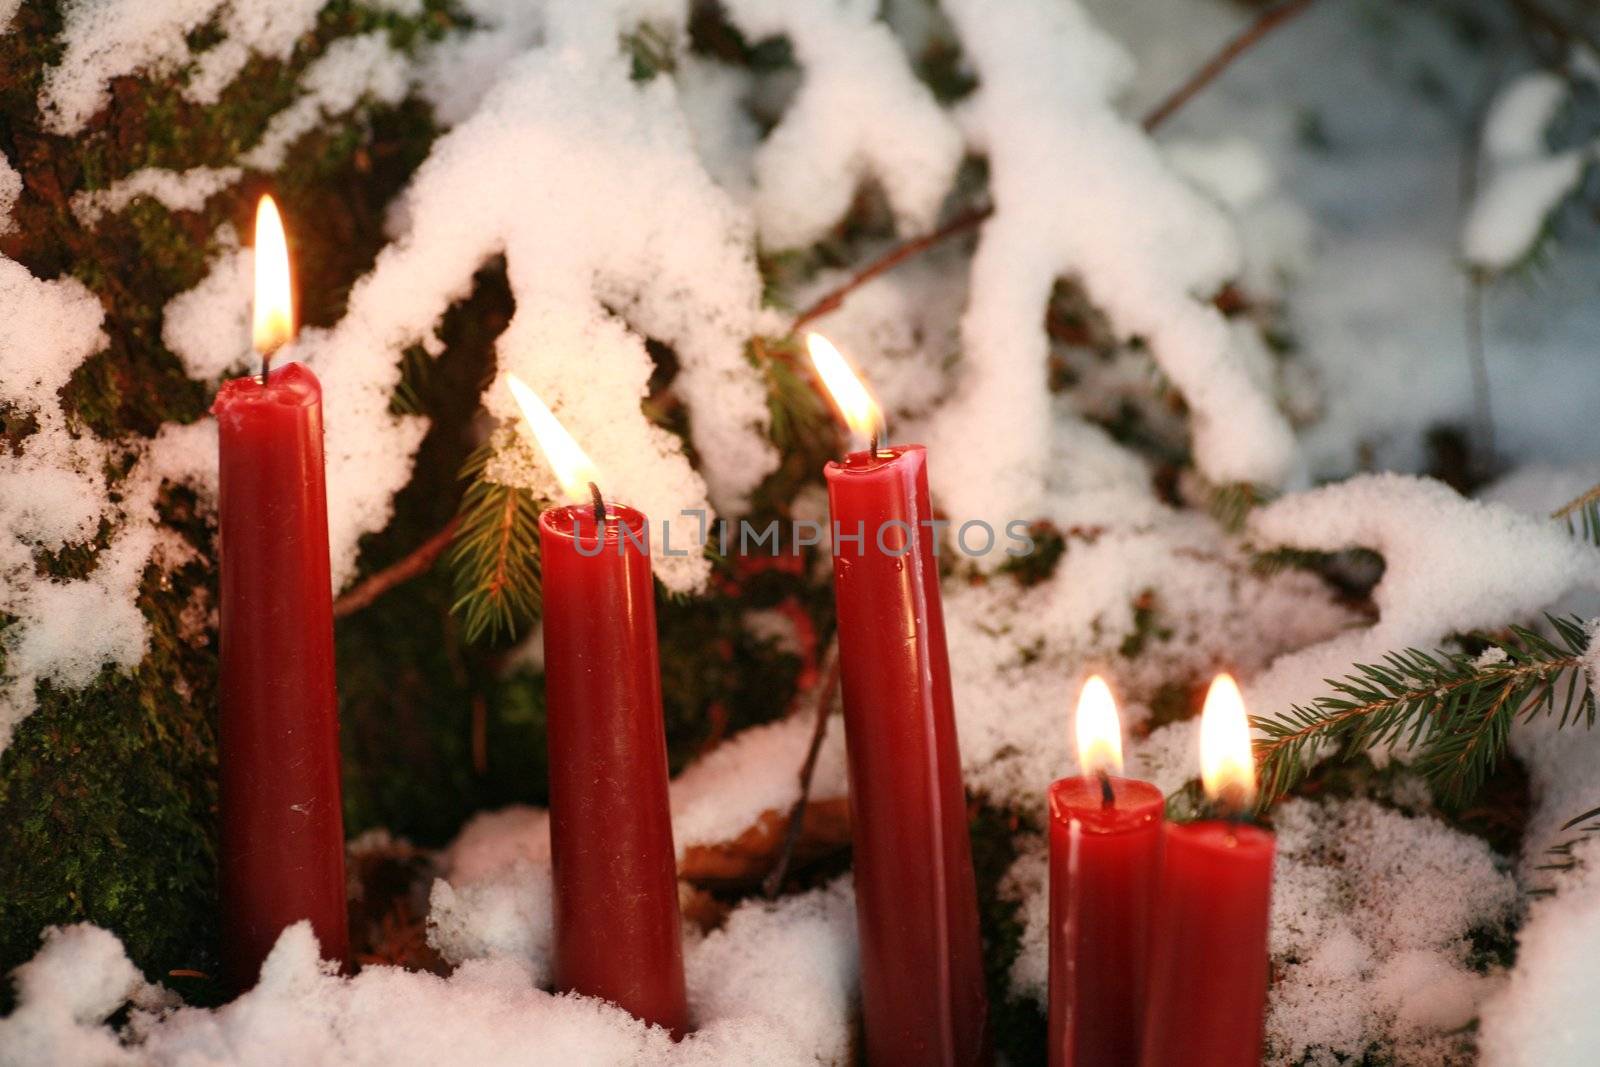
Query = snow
x=1450 y=565
x=1511 y=211
x=773 y=985
x=1541 y=1018
x=1081 y=192
x=208 y=327
x=1521 y=112
x=10 y=189
x=177 y=190
x=859 y=113
x=80 y=976
x=352 y=69
x=605 y=256
x=105 y=39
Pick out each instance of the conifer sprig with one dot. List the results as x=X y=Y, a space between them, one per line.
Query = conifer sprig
x=1451 y=710
x=1582 y=515
x=495 y=555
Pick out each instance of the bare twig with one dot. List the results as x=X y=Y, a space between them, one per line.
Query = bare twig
x=827 y=686
x=1536 y=14
x=1472 y=308
x=417 y=562
x=1247 y=38
x=971 y=218
x=891 y=259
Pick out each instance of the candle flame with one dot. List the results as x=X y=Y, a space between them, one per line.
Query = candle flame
x=274 y=303
x=1099 y=729
x=1227 y=765
x=573 y=467
x=850 y=395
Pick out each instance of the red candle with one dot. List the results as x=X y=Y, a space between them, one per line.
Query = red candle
x=282 y=846
x=618 y=932
x=1105 y=846
x=922 y=985
x=1208 y=966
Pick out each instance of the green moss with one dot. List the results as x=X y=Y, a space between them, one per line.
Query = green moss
x=107 y=801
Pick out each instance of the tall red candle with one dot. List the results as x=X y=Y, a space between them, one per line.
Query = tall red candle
x=617 y=926
x=1105 y=845
x=618 y=930
x=282 y=842
x=916 y=898
x=1208 y=967
x=922 y=988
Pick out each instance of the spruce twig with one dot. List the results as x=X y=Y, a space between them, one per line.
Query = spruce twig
x=1453 y=711
x=1582 y=514
x=495 y=555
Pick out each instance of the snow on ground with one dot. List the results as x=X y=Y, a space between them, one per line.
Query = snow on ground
x=1541 y=1017
x=772 y=986
x=1366 y=958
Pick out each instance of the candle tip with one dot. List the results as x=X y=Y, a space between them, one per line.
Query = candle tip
x=1108 y=796
x=599 y=503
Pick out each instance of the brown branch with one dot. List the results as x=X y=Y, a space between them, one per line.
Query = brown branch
x=1247 y=38
x=833 y=298
x=418 y=562
x=973 y=217
x=826 y=688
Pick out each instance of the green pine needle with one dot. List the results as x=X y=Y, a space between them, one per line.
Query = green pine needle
x=1231 y=503
x=1452 y=711
x=495 y=556
x=1582 y=515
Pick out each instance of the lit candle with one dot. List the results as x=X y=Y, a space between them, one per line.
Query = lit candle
x=282 y=845
x=1208 y=954
x=1105 y=846
x=922 y=986
x=618 y=933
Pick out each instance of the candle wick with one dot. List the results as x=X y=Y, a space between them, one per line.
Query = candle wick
x=872 y=450
x=266 y=362
x=1108 y=798
x=599 y=503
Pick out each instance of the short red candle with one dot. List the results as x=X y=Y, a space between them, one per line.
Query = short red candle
x=1208 y=955
x=1103 y=866
x=618 y=933
x=922 y=983
x=282 y=847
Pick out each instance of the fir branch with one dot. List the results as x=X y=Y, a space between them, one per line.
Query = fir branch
x=1230 y=504
x=495 y=555
x=1582 y=515
x=1453 y=711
